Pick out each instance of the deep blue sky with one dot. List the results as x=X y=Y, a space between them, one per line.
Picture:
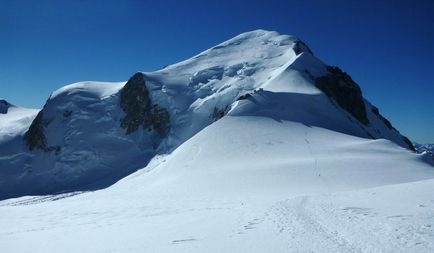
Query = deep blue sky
x=386 y=46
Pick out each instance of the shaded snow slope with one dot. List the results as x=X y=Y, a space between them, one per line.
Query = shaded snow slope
x=244 y=184
x=78 y=142
x=91 y=134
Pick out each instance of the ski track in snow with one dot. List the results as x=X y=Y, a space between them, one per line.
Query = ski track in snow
x=304 y=231
x=39 y=199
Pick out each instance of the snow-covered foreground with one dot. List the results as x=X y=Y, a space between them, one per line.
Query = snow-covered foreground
x=244 y=184
x=396 y=218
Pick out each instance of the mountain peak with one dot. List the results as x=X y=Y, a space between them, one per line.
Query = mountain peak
x=87 y=128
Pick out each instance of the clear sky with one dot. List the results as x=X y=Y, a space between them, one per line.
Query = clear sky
x=386 y=46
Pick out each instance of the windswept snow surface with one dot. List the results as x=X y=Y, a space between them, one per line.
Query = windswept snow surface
x=243 y=184
x=285 y=170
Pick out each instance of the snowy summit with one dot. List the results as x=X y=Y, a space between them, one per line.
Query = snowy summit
x=254 y=145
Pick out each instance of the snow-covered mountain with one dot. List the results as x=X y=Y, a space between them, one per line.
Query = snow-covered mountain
x=420 y=148
x=254 y=145
x=425 y=149
x=91 y=134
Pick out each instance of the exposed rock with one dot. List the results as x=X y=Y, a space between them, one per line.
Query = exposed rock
x=389 y=125
x=249 y=95
x=4 y=106
x=375 y=111
x=409 y=143
x=219 y=113
x=382 y=118
x=159 y=119
x=300 y=47
x=35 y=137
x=386 y=122
x=136 y=103
x=67 y=113
x=243 y=97
x=339 y=86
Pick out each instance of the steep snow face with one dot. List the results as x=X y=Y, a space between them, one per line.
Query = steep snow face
x=194 y=89
x=258 y=61
x=90 y=134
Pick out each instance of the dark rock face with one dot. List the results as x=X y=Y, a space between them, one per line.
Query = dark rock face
x=243 y=97
x=385 y=121
x=217 y=114
x=339 y=86
x=35 y=137
x=159 y=119
x=409 y=143
x=389 y=125
x=135 y=102
x=300 y=47
x=67 y=113
x=4 y=106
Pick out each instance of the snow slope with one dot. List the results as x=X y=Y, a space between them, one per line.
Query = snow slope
x=243 y=184
x=14 y=121
x=91 y=134
x=81 y=121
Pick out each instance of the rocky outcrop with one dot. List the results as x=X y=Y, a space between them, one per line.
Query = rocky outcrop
x=139 y=109
x=301 y=47
x=389 y=125
x=219 y=113
x=409 y=143
x=385 y=121
x=340 y=87
x=35 y=136
x=4 y=106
